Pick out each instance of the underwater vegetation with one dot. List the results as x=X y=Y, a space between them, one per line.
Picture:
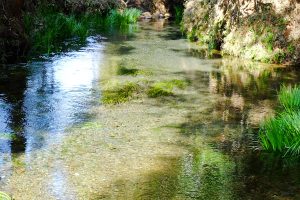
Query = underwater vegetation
x=165 y=88
x=120 y=93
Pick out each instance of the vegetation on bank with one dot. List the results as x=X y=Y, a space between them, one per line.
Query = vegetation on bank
x=281 y=133
x=262 y=34
x=48 y=27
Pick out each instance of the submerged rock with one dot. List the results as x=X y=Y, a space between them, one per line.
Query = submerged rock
x=146 y=15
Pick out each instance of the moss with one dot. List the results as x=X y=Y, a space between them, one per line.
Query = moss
x=165 y=88
x=121 y=70
x=120 y=93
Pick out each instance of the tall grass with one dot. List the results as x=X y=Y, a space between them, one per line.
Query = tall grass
x=282 y=133
x=48 y=27
x=121 y=18
x=289 y=98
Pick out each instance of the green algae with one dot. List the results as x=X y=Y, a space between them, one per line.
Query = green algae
x=120 y=93
x=121 y=70
x=165 y=88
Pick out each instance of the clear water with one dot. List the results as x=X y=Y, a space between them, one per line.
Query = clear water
x=59 y=142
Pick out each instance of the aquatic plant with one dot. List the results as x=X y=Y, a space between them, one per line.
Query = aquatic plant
x=121 y=70
x=48 y=27
x=282 y=133
x=120 y=93
x=124 y=17
x=165 y=88
x=289 y=98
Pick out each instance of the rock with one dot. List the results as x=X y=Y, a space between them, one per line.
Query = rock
x=167 y=15
x=146 y=15
x=157 y=15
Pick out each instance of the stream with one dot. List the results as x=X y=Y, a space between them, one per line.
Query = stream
x=58 y=140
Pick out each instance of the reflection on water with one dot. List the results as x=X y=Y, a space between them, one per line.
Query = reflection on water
x=39 y=100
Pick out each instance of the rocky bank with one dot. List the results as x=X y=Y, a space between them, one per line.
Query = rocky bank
x=266 y=30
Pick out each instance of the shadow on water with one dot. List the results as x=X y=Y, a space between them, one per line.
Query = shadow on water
x=13 y=83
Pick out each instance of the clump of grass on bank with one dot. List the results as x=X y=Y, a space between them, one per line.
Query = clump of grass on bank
x=165 y=88
x=120 y=18
x=120 y=93
x=282 y=133
x=290 y=98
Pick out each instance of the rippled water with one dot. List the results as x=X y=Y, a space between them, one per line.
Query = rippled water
x=58 y=142
x=40 y=99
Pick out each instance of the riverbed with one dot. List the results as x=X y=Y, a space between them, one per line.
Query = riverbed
x=59 y=140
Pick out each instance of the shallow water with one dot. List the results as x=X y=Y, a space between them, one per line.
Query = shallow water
x=59 y=142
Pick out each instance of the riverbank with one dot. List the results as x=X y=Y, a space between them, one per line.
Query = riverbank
x=263 y=31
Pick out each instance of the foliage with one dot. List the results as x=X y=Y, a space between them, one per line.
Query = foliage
x=124 y=17
x=49 y=27
x=282 y=133
x=289 y=98
x=178 y=13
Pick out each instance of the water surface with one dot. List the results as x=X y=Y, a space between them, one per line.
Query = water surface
x=57 y=142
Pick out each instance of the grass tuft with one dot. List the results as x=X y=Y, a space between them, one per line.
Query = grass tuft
x=282 y=133
x=123 y=17
x=289 y=98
